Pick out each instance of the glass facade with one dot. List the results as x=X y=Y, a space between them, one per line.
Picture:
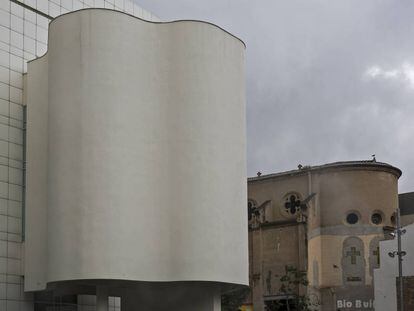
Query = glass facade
x=23 y=37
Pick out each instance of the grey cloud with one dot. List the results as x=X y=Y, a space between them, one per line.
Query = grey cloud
x=308 y=100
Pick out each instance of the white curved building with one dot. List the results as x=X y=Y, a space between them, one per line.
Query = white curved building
x=24 y=28
x=48 y=256
x=136 y=162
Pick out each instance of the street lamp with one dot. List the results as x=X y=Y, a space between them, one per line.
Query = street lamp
x=400 y=254
x=392 y=254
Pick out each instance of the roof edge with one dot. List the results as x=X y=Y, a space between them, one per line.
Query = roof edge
x=142 y=20
x=334 y=165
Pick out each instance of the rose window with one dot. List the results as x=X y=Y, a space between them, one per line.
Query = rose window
x=292 y=204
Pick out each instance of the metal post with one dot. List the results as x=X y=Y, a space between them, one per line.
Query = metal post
x=400 y=259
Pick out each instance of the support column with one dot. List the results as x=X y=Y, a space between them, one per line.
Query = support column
x=101 y=298
x=127 y=301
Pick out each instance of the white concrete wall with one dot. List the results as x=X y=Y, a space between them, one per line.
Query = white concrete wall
x=385 y=276
x=37 y=158
x=23 y=37
x=146 y=176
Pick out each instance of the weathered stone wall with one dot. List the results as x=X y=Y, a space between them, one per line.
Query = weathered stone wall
x=271 y=250
x=339 y=256
x=275 y=190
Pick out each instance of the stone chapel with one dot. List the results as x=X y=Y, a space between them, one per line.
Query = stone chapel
x=325 y=220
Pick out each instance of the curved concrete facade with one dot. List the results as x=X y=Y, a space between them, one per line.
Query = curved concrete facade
x=136 y=153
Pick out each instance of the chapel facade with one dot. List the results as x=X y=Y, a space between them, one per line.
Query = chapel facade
x=325 y=220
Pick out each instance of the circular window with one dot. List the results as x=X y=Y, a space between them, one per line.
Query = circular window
x=376 y=218
x=393 y=220
x=352 y=218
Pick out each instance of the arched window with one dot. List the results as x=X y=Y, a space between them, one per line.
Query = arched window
x=353 y=261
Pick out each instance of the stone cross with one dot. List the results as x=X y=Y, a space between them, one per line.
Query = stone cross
x=353 y=253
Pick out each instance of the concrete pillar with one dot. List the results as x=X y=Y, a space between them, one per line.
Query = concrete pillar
x=127 y=301
x=101 y=298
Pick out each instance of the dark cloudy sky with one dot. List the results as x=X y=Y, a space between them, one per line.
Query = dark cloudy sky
x=326 y=80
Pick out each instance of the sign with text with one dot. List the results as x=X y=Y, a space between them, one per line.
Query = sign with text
x=355 y=304
x=350 y=298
